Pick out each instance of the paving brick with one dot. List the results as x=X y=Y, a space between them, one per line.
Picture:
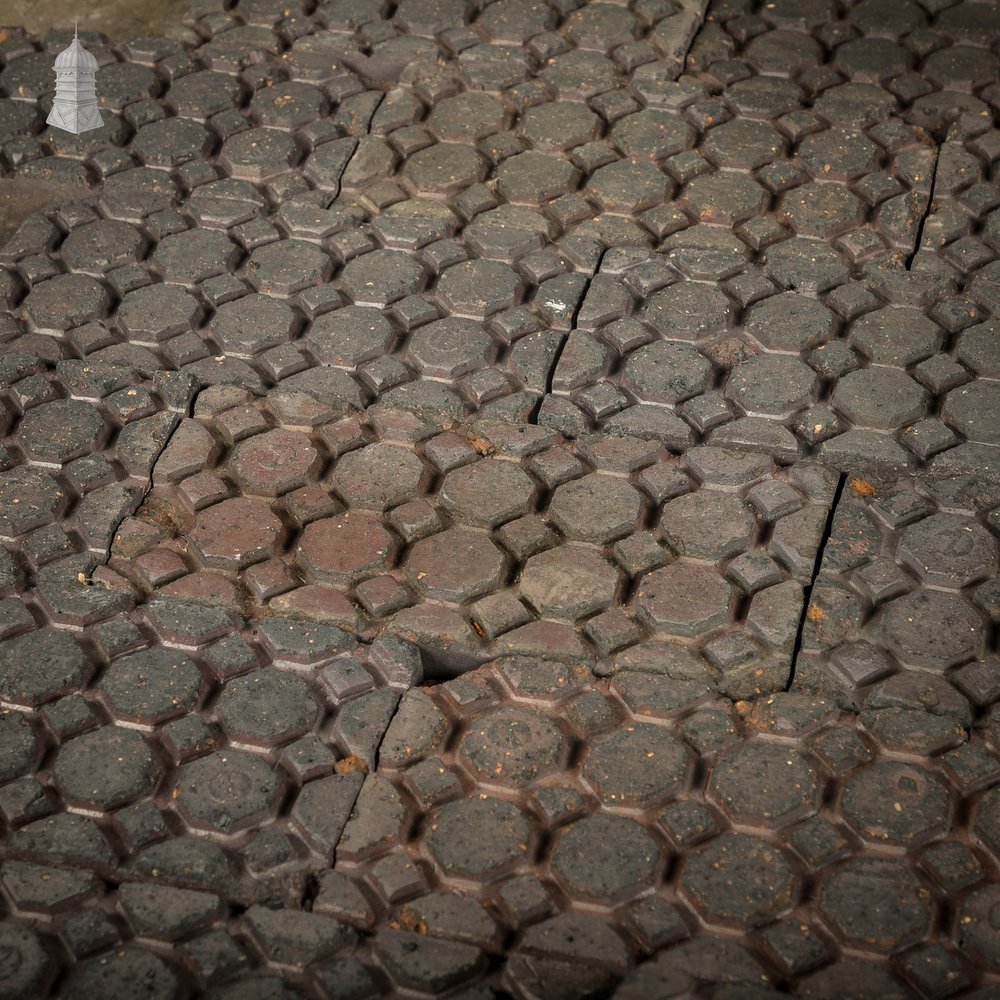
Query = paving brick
x=457 y=841
x=766 y=886
x=487 y=492
x=905 y=915
x=105 y=768
x=64 y=667
x=604 y=857
x=457 y=565
x=235 y=533
x=683 y=599
x=273 y=463
x=151 y=685
x=568 y=581
x=226 y=790
x=706 y=525
x=791 y=785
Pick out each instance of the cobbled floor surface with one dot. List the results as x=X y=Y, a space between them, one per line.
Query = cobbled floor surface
x=501 y=500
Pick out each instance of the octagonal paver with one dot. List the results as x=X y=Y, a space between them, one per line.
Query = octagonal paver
x=39 y=666
x=346 y=548
x=789 y=322
x=450 y=347
x=974 y=411
x=595 y=508
x=652 y=133
x=570 y=581
x=106 y=768
x=273 y=463
x=194 y=255
x=226 y=790
x=61 y=430
x=477 y=838
x=28 y=964
x=683 y=599
x=444 y=169
x=158 y=312
x=467 y=117
x=628 y=186
x=266 y=707
x=287 y=104
x=252 y=324
x=287 y=266
x=171 y=142
x=455 y=565
x=487 y=492
x=258 y=153
x=350 y=336
x=533 y=178
x=381 y=277
x=877 y=905
x=17 y=740
x=979 y=923
x=932 y=630
x=838 y=154
x=881 y=398
x=559 y=125
x=899 y=336
x=771 y=386
x=479 y=288
x=766 y=786
x=235 y=533
x=378 y=476
x=28 y=498
x=101 y=246
x=738 y=880
x=665 y=372
x=636 y=766
x=979 y=348
x=707 y=524
x=151 y=685
x=119 y=973
x=948 y=550
x=513 y=746
x=686 y=311
x=894 y=803
x=723 y=198
x=203 y=93
x=605 y=857
x=371 y=161
x=820 y=209
x=743 y=144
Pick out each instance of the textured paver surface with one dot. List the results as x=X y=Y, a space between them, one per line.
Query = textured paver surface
x=502 y=500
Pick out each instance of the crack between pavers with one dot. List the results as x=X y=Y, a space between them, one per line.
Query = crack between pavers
x=371 y=117
x=312 y=883
x=550 y=378
x=699 y=17
x=919 y=238
x=147 y=486
x=814 y=576
x=354 y=150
